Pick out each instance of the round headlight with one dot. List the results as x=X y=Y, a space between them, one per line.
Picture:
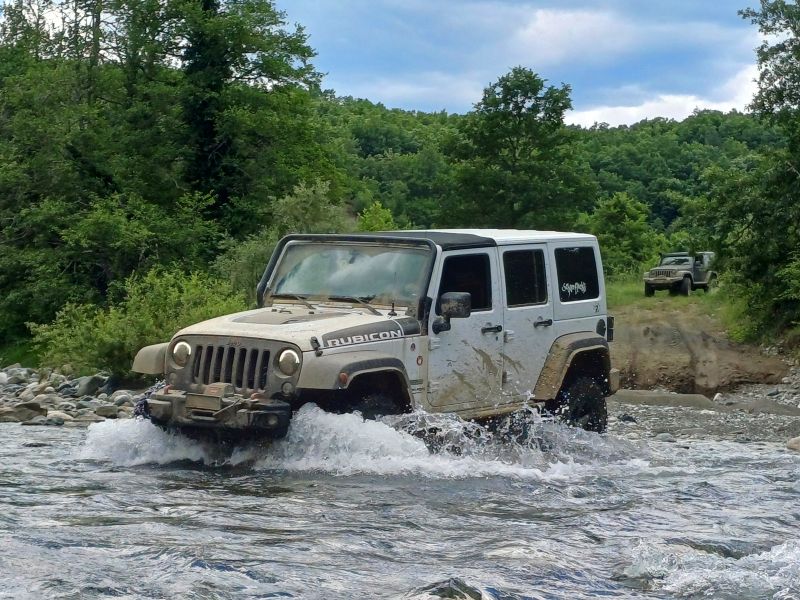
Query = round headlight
x=288 y=362
x=181 y=353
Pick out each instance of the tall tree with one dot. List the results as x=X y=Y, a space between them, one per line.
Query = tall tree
x=516 y=161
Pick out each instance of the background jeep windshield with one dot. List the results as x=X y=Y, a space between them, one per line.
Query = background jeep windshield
x=676 y=260
x=379 y=274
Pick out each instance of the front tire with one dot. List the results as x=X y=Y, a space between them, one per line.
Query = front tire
x=376 y=404
x=686 y=286
x=583 y=404
x=649 y=290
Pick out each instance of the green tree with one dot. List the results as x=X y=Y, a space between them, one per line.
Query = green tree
x=376 y=218
x=516 y=163
x=626 y=238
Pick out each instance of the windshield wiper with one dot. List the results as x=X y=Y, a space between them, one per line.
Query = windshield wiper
x=371 y=308
x=295 y=297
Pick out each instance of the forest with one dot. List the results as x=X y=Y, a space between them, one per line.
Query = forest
x=153 y=151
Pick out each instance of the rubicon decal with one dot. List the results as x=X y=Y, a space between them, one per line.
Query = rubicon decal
x=376 y=332
x=362 y=339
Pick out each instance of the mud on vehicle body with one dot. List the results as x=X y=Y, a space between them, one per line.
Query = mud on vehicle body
x=480 y=323
x=681 y=273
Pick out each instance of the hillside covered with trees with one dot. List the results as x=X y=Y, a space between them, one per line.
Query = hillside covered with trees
x=168 y=145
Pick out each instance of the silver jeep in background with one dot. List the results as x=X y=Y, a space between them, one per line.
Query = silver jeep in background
x=680 y=273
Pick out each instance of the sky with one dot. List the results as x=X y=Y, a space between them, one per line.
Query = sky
x=625 y=60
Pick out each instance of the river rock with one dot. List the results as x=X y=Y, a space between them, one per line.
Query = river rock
x=665 y=437
x=122 y=400
x=92 y=404
x=772 y=393
x=794 y=444
x=87 y=418
x=3 y=378
x=88 y=385
x=45 y=421
x=70 y=406
x=108 y=411
x=27 y=395
x=60 y=415
x=47 y=399
x=17 y=376
x=21 y=412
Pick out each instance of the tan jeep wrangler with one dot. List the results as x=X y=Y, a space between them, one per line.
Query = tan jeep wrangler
x=480 y=323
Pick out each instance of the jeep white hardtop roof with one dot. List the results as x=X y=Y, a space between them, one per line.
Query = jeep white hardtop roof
x=455 y=239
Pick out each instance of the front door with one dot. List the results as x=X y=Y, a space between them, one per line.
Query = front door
x=528 y=320
x=465 y=365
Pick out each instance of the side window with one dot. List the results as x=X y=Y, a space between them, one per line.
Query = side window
x=577 y=274
x=526 y=282
x=468 y=273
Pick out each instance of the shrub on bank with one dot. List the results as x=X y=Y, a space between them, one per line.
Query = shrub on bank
x=153 y=307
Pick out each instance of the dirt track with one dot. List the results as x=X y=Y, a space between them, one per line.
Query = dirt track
x=678 y=347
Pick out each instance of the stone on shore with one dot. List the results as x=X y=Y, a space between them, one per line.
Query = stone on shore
x=794 y=444
x=21 y=412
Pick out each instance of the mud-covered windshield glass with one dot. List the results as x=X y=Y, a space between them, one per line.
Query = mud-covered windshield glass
x=676 y=260
x=376 y=274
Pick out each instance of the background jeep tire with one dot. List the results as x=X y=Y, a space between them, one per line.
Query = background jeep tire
x=686 y=286
x=583 y=404
x=649 y=290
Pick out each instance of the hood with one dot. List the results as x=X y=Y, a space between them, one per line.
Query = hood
x=298 y=324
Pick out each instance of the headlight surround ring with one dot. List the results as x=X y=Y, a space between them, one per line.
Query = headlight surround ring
x=181 y=353
x=288 y=361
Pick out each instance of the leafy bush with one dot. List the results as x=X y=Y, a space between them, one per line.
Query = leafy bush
x=376 y=218
x=627 y=241
x=242 y=263
x=308 y=209
x=153 y=308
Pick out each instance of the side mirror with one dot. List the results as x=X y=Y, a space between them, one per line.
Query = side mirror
x=452 y=305
x=455 y=305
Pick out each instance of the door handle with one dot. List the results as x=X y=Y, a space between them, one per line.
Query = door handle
x=543 y=323
x=492 y=329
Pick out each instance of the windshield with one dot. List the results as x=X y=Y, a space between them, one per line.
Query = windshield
x=676 y=260
x=379 y=274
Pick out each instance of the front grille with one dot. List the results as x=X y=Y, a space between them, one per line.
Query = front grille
x=247 y=369
x=662 y=273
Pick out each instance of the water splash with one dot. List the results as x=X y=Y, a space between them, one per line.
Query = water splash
x=688 y=572
x=436 y=446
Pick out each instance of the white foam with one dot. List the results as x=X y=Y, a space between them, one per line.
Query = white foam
x=688 y=572
x=346 y=444
x=131 y=442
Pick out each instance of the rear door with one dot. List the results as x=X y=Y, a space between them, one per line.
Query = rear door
x=580 y=299
x=465 y=363
x=528 y=305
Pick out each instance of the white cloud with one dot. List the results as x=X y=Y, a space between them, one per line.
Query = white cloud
x=432 y=90
x=551 y=37
x=735 y=93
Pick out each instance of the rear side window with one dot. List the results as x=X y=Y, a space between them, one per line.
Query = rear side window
x=468 y=273
x=577 y=274
x=526 y=282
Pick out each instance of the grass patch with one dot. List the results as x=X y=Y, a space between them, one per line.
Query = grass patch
x=19 y=351
x=624 y=291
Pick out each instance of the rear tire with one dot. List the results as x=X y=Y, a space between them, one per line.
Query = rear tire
x=583 y=404
x=649 y=290
x=711 y=285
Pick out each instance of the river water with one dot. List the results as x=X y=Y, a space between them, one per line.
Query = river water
x=347 y=509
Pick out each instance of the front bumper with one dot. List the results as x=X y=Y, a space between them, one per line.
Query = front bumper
x=662 y=283
x=231 y=417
